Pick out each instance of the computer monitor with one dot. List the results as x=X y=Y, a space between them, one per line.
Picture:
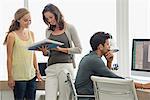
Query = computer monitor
x=140 y=57
x=42 y=67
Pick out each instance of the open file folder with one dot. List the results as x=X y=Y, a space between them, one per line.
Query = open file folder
x=46 y=42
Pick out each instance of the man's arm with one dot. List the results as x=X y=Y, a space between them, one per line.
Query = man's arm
x=101 y=70
x=142 y=86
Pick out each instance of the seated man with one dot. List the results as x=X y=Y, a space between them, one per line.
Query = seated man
x=92 y=64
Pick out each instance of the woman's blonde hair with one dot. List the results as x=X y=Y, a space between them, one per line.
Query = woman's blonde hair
x=15 y=25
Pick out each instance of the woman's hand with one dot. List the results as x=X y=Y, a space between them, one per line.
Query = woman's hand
x=64 y=50
x=11 y=82
x=38 y=75
x=44 y=50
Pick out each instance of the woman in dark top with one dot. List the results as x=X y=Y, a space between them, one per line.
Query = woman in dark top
x=62 y=57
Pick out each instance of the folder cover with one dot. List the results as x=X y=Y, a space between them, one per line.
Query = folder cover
x=46 y=42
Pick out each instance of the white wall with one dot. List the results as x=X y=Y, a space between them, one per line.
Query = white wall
x=123 y=37
x=139 y=25
x=88 y=16
x=6 y=95
x=7 y=10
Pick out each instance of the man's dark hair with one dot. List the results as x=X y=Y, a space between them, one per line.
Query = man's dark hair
x=99 y=38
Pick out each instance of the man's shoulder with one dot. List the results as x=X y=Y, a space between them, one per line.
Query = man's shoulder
x=90 y=58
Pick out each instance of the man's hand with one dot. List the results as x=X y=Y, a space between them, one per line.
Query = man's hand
x=109 y=57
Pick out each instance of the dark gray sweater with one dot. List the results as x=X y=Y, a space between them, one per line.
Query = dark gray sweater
x=74 y=42
x=90 y=65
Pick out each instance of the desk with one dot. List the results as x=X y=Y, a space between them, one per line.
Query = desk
x=7 y=94
x=4 y=85
x=143 y=94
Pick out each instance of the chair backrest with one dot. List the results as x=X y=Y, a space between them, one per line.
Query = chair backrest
x=73 y=92
x=70 y=83
x=113 y=88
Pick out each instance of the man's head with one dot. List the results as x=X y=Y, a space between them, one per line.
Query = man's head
x=100 y=41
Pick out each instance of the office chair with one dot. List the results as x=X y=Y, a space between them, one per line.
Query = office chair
x=73 y=94
x=113 y=88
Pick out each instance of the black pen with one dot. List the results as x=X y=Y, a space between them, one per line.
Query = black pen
x=114 y=50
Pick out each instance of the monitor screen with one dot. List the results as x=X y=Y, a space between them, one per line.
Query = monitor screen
x=141 y=55
x=42 y=67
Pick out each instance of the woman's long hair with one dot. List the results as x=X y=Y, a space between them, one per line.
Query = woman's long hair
x=15 y=25
x=58 y=16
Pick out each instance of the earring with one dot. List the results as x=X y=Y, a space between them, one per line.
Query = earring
x=18 y=21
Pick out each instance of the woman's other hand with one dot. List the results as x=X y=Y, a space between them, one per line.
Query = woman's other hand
x=64 y=50
x=11 y=82
x=39 y=77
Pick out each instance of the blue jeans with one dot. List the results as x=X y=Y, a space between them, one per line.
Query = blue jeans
x=25 y=89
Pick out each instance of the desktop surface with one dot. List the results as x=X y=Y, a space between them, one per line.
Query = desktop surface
x=143 y=94
x=140 y=79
